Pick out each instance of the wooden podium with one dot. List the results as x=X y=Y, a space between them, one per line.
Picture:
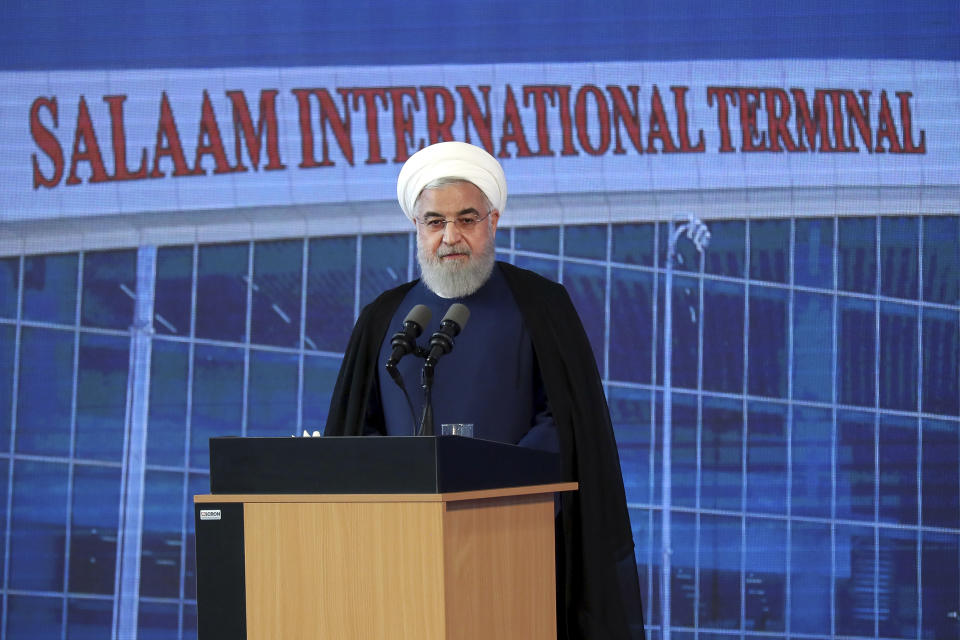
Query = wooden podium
x=475 y=563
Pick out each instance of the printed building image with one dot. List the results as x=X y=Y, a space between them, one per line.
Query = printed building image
x=184 y=249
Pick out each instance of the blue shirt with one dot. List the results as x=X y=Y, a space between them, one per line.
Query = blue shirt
x=490 y=378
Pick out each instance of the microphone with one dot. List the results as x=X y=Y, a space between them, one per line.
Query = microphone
x=441 y=342
x=404 y=341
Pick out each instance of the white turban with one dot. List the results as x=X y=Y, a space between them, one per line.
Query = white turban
x=451 y=160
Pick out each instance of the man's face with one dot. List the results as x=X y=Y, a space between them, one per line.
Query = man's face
x=454 y=244
x=455 y=259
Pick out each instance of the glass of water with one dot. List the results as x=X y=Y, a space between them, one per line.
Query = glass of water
x=464 y=429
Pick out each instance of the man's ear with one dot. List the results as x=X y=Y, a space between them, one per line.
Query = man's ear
x=495 y=218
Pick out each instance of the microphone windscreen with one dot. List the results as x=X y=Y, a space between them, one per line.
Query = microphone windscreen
x=420 y=316
x=457 y=313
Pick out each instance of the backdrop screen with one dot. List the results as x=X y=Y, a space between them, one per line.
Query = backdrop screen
x=197 y=200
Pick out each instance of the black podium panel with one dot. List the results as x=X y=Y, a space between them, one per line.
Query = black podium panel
x=401 y=464
x=221 y=583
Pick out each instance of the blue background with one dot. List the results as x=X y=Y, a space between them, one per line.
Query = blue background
x=186 y=34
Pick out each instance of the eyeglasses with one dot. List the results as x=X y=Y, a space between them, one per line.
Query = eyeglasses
x=464 y=223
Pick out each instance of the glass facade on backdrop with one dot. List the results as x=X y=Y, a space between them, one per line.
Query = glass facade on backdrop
x=816 y=410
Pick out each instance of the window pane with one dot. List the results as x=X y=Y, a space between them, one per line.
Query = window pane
x=633 y=243
x=50 y=288
x=331 y=281
x=769 y=249
x=45 y=397
x=726 y=255
x=722 y=336
x=222 y=292
x=941 y=260
x=631 y=326
x=217 y=399
x=898 y=469
x=767 y=458
x=720 y=572
x=812 y=346
x=4 y=513
x=585 y=241
x=89 y=619
x=157 y=621
x=769 y=331
x=161 y=543
x=9 y=286
x=383 y=265
x=547 y=268
x=722 y=455
x=683 y=449
x=189 y=621
x=109 y=289
x=940 y=584
x=766 y=579
x=272 y=403
x=858 y=255
x=898 y=356
x=899 y=243
x=941 y=362
x=686 y=330
x=941 y=474
x=101 y=396
x=630 y=412
x=857 y=357
x=93 y=532
x=319 y=377
x=38 y=525
x=652 y=604
x=172 y=290
x=854 y=561
x=538 y=239
x=855 y=465
x=683 y=585
x=813 y=255
x=503 y=236
x=811 y=463
x=278 y=277
x=897 y=588
x=8 y=345
x=586 y=285
x=26 y=615
x=167 y=420
x=810 y=572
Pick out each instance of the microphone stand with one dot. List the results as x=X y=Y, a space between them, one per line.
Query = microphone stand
x=391 y=367
x=441 y=343
x=426 y=419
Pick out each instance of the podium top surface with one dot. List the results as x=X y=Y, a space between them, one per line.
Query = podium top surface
x=456 y=496
x=374 y=465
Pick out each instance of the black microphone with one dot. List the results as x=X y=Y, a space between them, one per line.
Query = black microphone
x=404 y=341
x=441 y=342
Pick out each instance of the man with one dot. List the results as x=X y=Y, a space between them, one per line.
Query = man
x=522 y=372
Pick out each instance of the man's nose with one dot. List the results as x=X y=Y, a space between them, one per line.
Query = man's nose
x=451 y=232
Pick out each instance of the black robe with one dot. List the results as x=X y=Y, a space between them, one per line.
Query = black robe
x=598 y=591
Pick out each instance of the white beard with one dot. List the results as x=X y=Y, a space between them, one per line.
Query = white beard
x=456 y=279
